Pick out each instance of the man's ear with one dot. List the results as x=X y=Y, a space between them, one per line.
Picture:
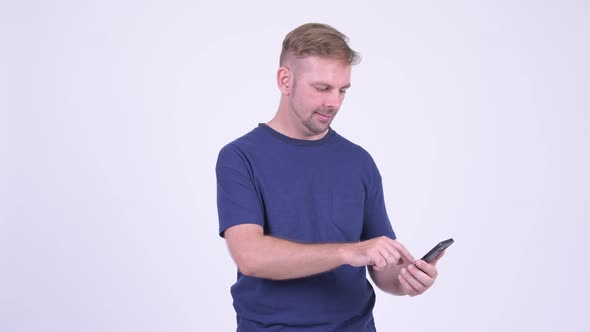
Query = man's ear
x=285 y=80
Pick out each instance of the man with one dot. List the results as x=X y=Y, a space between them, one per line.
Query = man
x=302 y=208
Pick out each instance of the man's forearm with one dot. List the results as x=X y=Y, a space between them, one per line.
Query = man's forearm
x=273 y=258
x=268 y=257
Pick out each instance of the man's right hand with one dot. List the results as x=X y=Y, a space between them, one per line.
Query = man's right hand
x=381 y=253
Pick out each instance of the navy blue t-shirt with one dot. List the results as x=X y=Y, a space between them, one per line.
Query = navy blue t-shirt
x=321 y=191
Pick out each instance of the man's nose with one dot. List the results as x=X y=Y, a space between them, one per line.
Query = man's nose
x=334 y=100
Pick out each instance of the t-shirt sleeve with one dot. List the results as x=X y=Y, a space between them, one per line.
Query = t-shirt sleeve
x=376 y=222
x=238 y=200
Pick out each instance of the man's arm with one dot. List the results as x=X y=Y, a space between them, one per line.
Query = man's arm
x=407 y=278
x=268 y=257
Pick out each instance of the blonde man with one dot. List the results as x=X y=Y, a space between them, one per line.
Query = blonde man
x=302 y=208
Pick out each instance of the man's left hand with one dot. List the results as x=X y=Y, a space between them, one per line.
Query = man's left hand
x=418 y=277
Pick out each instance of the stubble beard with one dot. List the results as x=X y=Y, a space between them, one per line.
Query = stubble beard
x=315 y=126
x=311 y=123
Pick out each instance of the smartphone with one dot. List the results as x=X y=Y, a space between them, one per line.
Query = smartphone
x=437 y=250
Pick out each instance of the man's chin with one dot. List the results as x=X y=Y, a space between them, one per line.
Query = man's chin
x=319 y=128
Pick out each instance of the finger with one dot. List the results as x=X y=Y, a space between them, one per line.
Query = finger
x=386 y=259
x=427 y=268
x=423 y=278
x=378 y=261
x=412 y=280
x=383 y=247
x=406 y=286
x=403 y=251
x=391 y=255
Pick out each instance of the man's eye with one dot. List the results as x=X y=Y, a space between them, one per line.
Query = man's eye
x=321 y=88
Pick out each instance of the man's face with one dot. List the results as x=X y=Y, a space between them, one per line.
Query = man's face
x=319 y=86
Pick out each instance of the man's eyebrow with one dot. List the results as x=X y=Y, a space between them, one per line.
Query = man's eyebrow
x=330 y=85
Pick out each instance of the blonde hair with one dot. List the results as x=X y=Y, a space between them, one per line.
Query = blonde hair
x=318 y=39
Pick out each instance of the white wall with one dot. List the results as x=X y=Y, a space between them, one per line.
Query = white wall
x=112 y=114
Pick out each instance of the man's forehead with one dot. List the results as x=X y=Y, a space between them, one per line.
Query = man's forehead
x=324 y=70
x=317 y=62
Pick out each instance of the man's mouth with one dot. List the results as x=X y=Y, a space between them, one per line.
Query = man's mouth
x=324 y=117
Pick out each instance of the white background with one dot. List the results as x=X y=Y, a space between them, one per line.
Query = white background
x=112 y=114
